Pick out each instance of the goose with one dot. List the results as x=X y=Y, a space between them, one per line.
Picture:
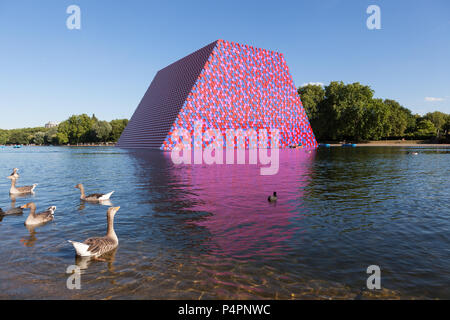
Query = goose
x=12 y=211
x=272 y=198
x=38 y=218
x=94 y=196
x=20 y=190
x=97 y=246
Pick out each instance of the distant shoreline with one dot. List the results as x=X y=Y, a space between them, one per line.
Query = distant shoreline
x=418 y=145
x=63 y=145
x=394 y=143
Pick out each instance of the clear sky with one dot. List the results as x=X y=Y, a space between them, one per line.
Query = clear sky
x=48 y=72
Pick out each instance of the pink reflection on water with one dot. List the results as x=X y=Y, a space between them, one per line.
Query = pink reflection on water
x=242 y=223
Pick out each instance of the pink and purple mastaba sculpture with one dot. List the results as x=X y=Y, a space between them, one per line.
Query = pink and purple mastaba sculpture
x=224 y=85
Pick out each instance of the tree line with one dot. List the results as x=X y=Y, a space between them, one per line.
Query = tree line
x=336 y=112
x=341 y=111
x=75 y=130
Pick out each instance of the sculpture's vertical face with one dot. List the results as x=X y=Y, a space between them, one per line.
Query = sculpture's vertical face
x=240 y=87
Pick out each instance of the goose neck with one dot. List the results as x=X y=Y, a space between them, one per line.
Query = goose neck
x=110 y=232
x=82 y=191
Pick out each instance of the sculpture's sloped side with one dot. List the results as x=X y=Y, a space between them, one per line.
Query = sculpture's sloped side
x=158 y=109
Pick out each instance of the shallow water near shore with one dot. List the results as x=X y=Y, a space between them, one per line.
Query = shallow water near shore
x=208 y=232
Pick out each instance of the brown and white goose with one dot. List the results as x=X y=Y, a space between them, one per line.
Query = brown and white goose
x=20 y=190
x=38 y=218
x=95 y=197
x=97 y=246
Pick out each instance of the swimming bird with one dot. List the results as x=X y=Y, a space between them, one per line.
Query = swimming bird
x=97 y=246
x=12 y=211
x=94 y=196
x=272 y=198
x=20 y=190
x=38 y=218
x=413 y=153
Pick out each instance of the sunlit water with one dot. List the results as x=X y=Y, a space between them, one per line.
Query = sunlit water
x=208 y=232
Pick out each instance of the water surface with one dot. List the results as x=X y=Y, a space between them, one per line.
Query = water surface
x=207 y=232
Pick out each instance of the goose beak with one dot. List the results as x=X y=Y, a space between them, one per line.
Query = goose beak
x=23 y=207
x=116 y=209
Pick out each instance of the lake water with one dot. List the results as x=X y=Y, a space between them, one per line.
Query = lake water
x=207 y=232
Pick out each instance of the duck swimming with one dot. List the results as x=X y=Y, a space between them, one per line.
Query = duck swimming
x=93 y=197
x=97 y=246
x=38 y=218
x=20 y=190
x=272 y=198
x=12 y=211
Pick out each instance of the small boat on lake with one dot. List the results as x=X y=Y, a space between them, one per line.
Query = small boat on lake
x=349 y=144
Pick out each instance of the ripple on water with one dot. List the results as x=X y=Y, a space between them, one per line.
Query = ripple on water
x=208 y=232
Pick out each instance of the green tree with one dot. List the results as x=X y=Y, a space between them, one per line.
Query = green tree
x=413 y=119
x=398 y=119
x=18 y=136
x=447 y=125
x=349 y=111
x=311 y=95
x=102 y=130
x=63 y=133
x=425 y=128
x=439 y=119
x=117 y=127
x=4 y=136
x=341 y=113
x=51 y=136
x=39 y=138
x=377 y=119
x=91 y=135
x=76 y=129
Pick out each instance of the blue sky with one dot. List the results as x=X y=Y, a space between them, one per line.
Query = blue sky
x=48 y=72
